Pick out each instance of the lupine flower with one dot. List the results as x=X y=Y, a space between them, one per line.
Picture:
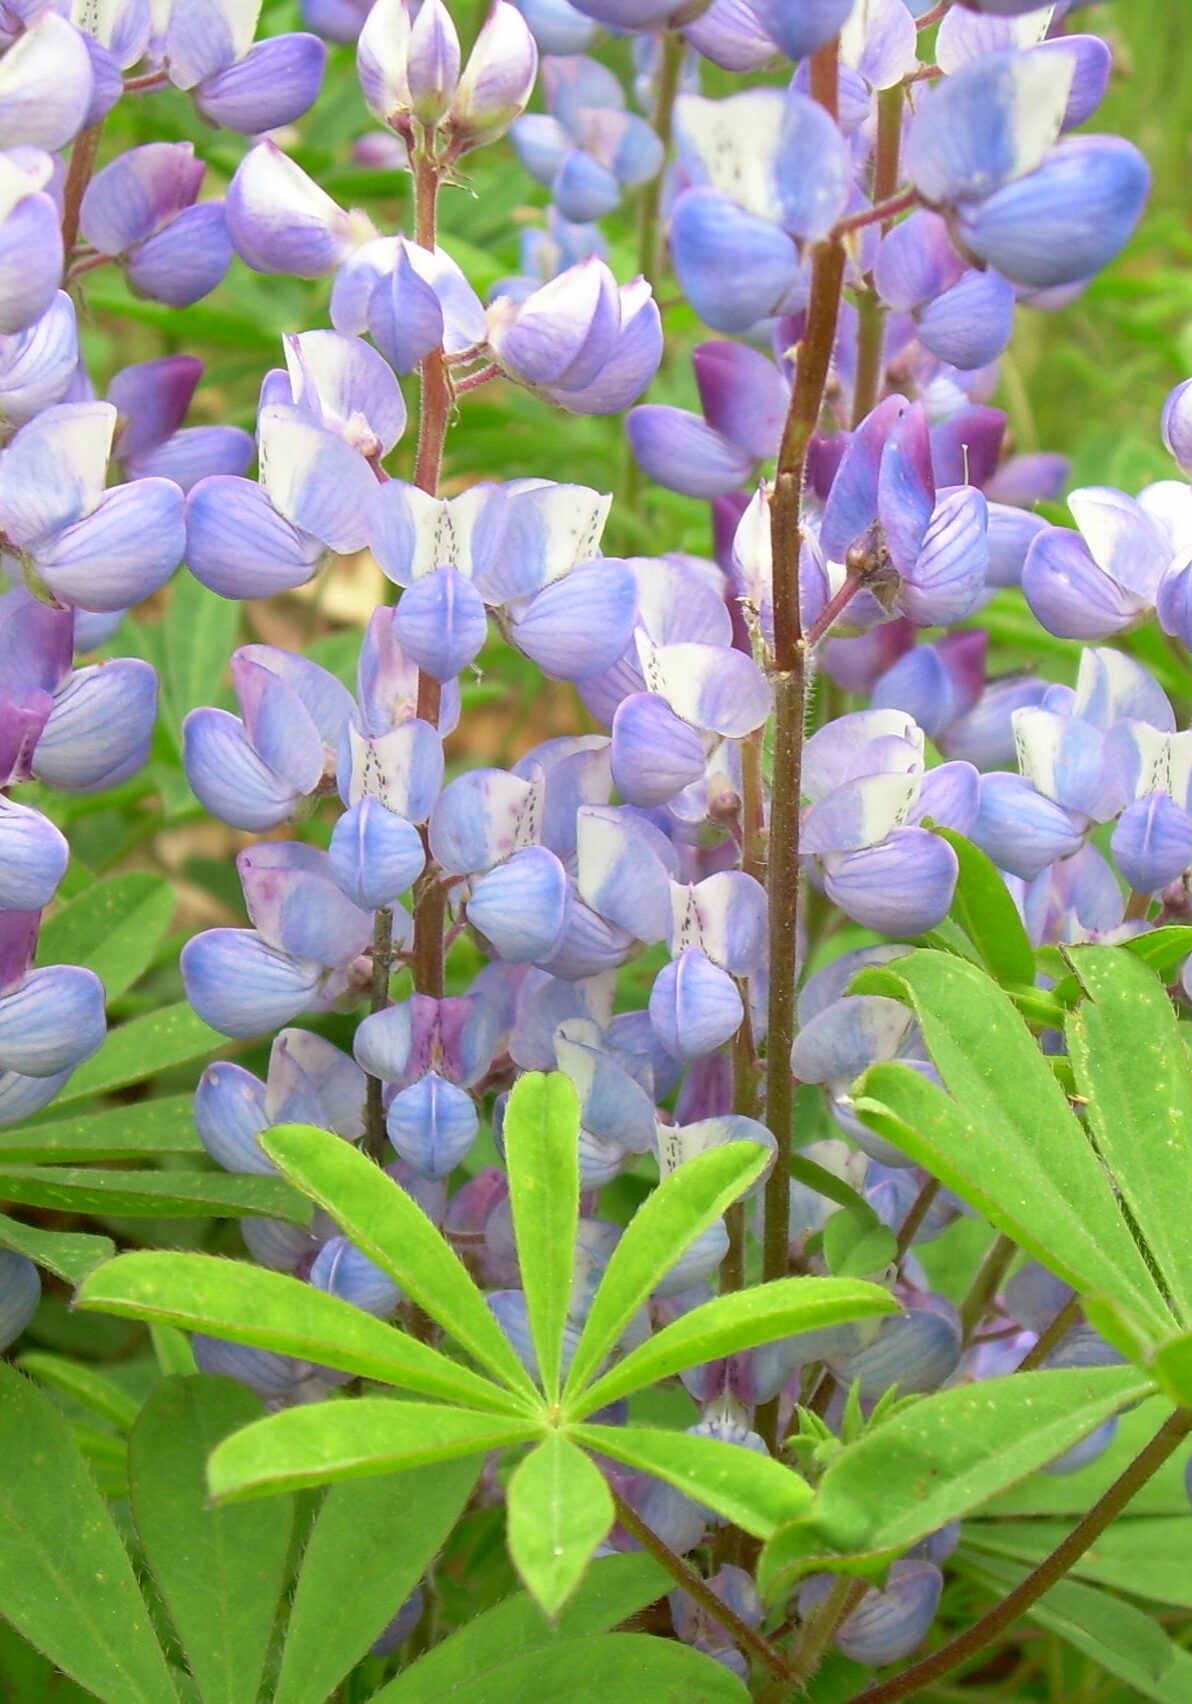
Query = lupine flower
x=527 y=550
x=100 y=549
x=20 y=1292
x=432 y=1051
x=151 y=400
x=983 y=149
x=864 y=778
x=744 y=398
x=962 y=314
x=335 y=20
x=50 y=1019
x=585 y=148
x=1177 y=425
x=281 y=221
x=46 y=85
x=78 y=729
x=1107 y=577
x=209 y=52
x=408 y=299
x=557 y=26
x=887 y=1625
x=321 y=427
x=143 y=208
x=38 y=365
x=698 y=1628
x=309 y=1081
x=546 y=253
x=255 y=770
x=299 y=956
x=580 y=342
x=31 y=255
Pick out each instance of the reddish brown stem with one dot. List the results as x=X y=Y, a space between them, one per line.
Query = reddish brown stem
x=78 y=175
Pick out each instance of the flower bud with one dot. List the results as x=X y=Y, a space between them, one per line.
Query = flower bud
x=498 y=78
x=432 y=62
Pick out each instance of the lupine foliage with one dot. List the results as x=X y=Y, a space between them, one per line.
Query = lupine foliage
x=595 y=851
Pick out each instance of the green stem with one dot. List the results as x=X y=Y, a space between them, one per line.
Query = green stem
x=984 y=1286
x=820 y=1628
x=872 y=316
x=649 y=230
x=697 y=1588
x=789 y=681
x=1055 y=1333
x=1052 y=1569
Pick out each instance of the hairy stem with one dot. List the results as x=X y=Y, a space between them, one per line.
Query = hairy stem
x=920 y=1208
x=982 y=1633
x=696 y=1587
x=789 y=679
x=78 y=175
x=434 y=416
x=382 y=964
x=984 y=1286
x=820 y=1627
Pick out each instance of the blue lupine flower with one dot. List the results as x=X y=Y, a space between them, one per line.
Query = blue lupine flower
x=585 y=148
x=209 y=52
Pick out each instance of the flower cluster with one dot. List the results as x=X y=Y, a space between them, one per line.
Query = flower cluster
x=864 y=509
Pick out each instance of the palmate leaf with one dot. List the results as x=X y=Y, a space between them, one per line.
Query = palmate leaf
x=1004 y=1137
x=371 y=1543
x=66 y=1583
x=220 y=1571
x=384 y=1221
x=613 y=1589
x=558 y=1510
x=271 y=1310
x=1145 y=1555
x=1132 y=1069
x=987 y=914
x=165 y=1126
x=751 y=1490
x=611 y=1668
x=70 y=1254
x=541 y=1137
x=354 y=1439
x=141 y=1048
x=667 y=1222
x=115 y=929
x=1115 y=1635
x=153 y=1194
x=939 y=1459
x=728 y=1324
x=86 y=1384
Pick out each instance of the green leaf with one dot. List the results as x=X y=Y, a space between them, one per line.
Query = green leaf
x=66 y=1583
x=200 y=635
x=271 y=1310
x=1146 y=1555
x=380 y=1535
x=88 y=1386
x=728 y=1324
x=1132 y=1068
x=142 y=1048
x=558 y=1510
x=351 y=1439
x=541 y=1135
x=611 y=1668
x=70 y=1254
x=1163 y=949
x=668 y=1222
x=937 y=1460
x=751 y=1490
x=1115 y=1635
x=987 y=914
x=613 y=1589
x=1004 y=1138
x=153 y=1194
x=114 y=929
x=1172 y=1367
x=384 y=1221
x=1073 y=1494
x=165 y=1126
x=220 y=1571
x=856 y=1244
